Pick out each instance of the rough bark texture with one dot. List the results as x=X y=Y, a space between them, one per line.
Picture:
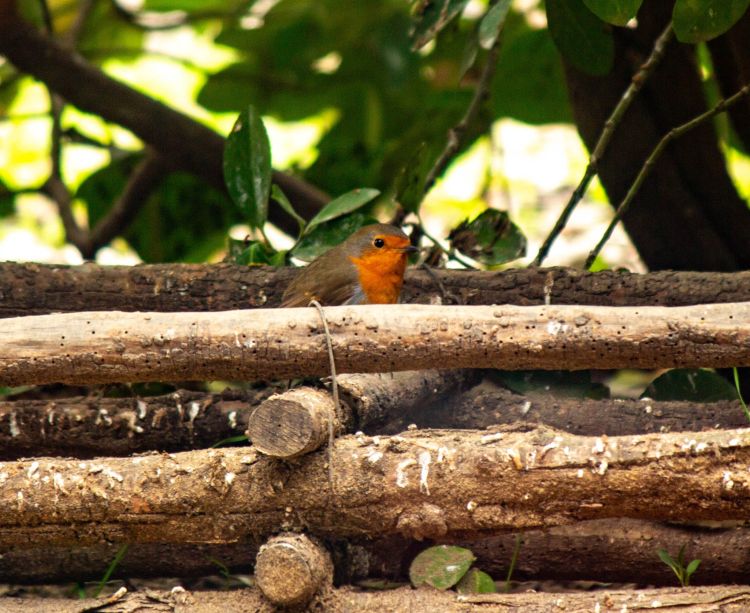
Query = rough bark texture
x=487 y=405
x=616 y=550
x=420 y=485
x=291 y=568
x=89 y=426
x=37 y=289
x=687 y=215
x=103 y=347
x=718 y=599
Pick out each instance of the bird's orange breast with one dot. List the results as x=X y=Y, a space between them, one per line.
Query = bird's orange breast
x=381 y=275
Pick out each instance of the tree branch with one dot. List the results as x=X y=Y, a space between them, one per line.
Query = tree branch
x=178 y=138
x=636 y=83
x=648 y=165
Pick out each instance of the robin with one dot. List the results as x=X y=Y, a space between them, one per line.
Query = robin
x=367 y=268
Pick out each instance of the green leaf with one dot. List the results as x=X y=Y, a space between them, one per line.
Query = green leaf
x=492 y=23
x=581 y=36
x=328 y=235
x=347 y=203
x=616 y=12
x=247 y=166
x=441 y=566
x=529 y=84
x=691 y=568
x=563 y=383
x=666 y=558
x=476 y=582
x=280 y=197
x=492 y=238
x=432 y=16
x=697 y=21
x=694 y=384
x=192 y=5
x=254 y=253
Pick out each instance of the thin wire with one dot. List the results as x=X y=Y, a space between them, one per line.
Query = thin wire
x=335 y=389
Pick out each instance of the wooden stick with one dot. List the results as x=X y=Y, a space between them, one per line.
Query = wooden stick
x=420 y=484
x=104 y=347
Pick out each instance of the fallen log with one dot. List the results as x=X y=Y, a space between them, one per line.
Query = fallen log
x=606 y=550
x=488 y=405
x=87 y=426
x=102 y=347
x=419 y=485
x=36 y=289
x=716 y=599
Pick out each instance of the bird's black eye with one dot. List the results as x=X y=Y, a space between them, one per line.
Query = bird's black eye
x=379 y=243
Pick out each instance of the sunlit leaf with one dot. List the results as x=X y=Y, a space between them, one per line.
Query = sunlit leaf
x=697 y=385
x=696 y=21
x=584 y=39
x=247 y=166
x=441 y=566
x=344 y=204
x=432 y=16
x=249 y=253
x=329 y=234
x=492 y=23
x=492 y=238
x=616 y=12
x=476 y=582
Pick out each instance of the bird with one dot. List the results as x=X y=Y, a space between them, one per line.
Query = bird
x=367 y=268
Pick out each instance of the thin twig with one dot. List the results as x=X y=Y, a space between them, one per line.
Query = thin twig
x=142 y=181
x=457 y=133
x=451 y=253
x=648 y=165
x=636 y=83
x=334 y=388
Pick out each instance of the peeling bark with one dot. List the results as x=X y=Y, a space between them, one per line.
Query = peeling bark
x=718 y=599
x=420 y=485
x=103 y=347
x=89 y=426
x=37 y=289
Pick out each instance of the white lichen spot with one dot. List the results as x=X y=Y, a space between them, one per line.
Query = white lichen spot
x=549 y=447
x=701 y=447
x=424 y=462
x=374 y=457
x=597 y=607
x=33 y=471
x=735 y=442
x=113 y=475
x=598 y=446
x=555 y=327
x=602 y=468
x=51 y=417
x=525 y=408
x=376 y=440
x=193 y=411
x=249 y=344
x=490 y=438
x=59 y=482
x=411 y=427
x=229 y=478
x=471 y=506
x=726 y=480
x=13 y=425
x=515 y=457
x=169 y=334
x=19 y=498
x=237 y=340
x=142 y=407
x=3 y=478
x=579 y=474
x=655 y=604
x=401 y=478
x=232 y=418
x=648 y=408
x=102 y=417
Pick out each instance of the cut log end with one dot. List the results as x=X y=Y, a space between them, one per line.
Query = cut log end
x=291 y=424
x=291 y=568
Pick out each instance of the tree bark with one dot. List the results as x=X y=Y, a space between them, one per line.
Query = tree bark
x=687 y=215
x=420 y=485
x=85 y=427
x=38 y=289
x=489 y=405
x=717 y=599
x=103 y=347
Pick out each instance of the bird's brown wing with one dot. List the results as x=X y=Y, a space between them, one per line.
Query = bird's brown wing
x=329 y=280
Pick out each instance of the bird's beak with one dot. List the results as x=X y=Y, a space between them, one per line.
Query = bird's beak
x=409 y=249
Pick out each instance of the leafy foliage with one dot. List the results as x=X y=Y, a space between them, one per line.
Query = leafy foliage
x=617 y=12
x=491 y=238
x=697 y=385
x=476 y=581
x=678 y=566
x=441 y=566
x=697 y=21
x=581 y=36
x=563 y=383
